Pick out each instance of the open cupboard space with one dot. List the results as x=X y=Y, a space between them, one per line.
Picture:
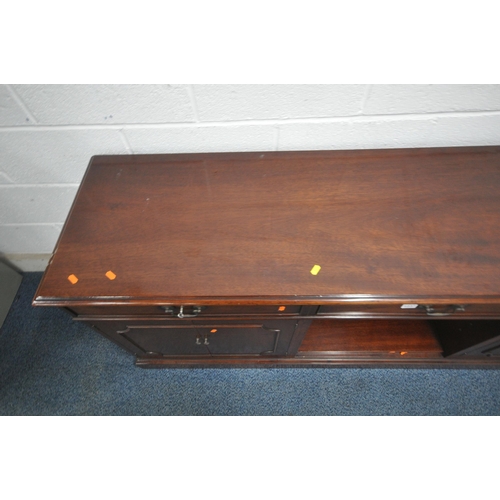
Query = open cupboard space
x=451 y=341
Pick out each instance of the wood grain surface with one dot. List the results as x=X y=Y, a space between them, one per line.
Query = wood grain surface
x=249 y=227
x=388 y=336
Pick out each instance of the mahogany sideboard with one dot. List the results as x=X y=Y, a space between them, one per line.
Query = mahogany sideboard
x=322 y=258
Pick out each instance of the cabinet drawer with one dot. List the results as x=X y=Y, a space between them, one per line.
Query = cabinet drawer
x=357 y=310
x=174 y=338
x=187 y=311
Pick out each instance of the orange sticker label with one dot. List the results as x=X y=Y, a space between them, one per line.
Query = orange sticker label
x=72 y=279
x=281 y=308
x=213 y=330
x=110 y=275
x=403 y=353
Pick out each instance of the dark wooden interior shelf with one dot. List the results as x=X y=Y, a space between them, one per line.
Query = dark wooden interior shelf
x=392 y=338
x=320 y=258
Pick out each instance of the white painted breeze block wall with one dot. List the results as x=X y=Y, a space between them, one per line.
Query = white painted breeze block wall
x=49 y=132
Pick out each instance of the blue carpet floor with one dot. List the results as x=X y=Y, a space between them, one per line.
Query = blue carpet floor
x=50 y=365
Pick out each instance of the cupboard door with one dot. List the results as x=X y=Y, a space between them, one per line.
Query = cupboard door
x=490 y=348
x=179 y=338
x=468 y=338
x=493 y=350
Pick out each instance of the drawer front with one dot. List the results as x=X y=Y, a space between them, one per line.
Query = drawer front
x=187 y=311
x=448 y=311
x=177 y=338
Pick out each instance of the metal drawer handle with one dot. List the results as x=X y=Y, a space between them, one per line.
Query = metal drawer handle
x=447 y=312
x=196 y=311
x=205 y=341
x=170 y=310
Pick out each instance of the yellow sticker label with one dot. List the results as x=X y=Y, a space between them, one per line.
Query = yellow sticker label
x=315 y=270
x=72 y=279
x=110 y=275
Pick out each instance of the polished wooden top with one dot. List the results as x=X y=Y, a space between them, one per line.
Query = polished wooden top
x=249 y=227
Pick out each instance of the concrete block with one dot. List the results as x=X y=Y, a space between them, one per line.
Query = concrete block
x=31 y=239
x=4 y=179
x=396 y=133
x=34 y=204
x=86 y=104
x=11 y=113
x=393 y=99
x=468 y=130
x=257 y=102
x=29 y=262
x=54 y=156
x=196 y=139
